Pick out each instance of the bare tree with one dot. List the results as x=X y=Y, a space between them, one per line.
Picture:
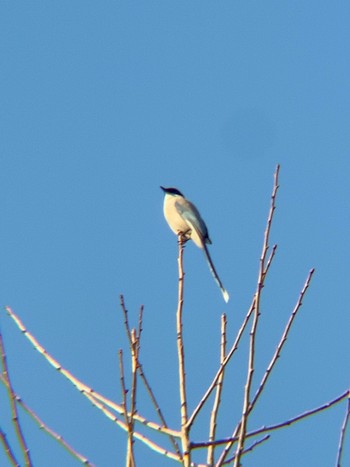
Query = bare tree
x=127 y=414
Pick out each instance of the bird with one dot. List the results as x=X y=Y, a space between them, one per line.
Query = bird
x=184 y=219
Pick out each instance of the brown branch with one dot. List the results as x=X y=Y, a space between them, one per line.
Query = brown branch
x=42 y=425
x=134 y=349
x=134 y=355
x=217 y=400
x=278 y=349
x=95 y=398
x=249 y=448
x=277 y=426
x=251 y=359
x=342 y=434
x=283 y=339
x=228 y=357
x=103 y=408
x=252 y=307
x=269 y=261
x=185 y=441
x=222 y=366
x=144 y=379
x=130 y=460
x=246 y=401
x=8 y=451
x=155 y=447
x=140 y=328
x=13 y=405
x=301 y=416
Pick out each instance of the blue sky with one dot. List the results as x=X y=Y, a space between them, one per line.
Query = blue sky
x=102 y=102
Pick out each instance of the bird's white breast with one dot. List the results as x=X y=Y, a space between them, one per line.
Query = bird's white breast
x=172 y=216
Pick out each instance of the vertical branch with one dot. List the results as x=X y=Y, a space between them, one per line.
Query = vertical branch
x=342 y=434
x=8 y=451
x=228 y=357
x=12 y=398
x=263 y=268
x=42 y=425
x=283 y=339
x=246 y=403
x=134 y=343
x=130 y=461
x=141 y=371
x=134 y=358
x=181 y=356
x=139 y=329
x=251 y=360
x=217 y=400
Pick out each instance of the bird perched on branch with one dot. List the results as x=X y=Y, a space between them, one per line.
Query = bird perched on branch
x=183 y=218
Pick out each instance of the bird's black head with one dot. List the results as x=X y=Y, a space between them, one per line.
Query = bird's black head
x=172 y=191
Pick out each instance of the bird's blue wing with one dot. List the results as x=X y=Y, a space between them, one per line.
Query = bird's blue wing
x=191 y=215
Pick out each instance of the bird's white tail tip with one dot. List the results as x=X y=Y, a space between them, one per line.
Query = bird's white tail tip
x=225 y=295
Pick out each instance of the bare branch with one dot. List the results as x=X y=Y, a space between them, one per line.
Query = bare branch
x=283 y=339
x=217 y=400
x=155 y=447
x=269 y=261
x=96 y=398
x=277 y=426
x=139 y=329
x=249 y=448
x=13 y=404
x=42 y=425
x=185 y=441
x=251 y=359
x=134 y=364
x=130 y=460
x=251 y=308
x=301 y=416
x=7 y=448
x=223 y=365
x=144 y=379
x=342 y=434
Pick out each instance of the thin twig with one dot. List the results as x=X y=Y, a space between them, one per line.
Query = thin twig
x=136 y=434
x=283 y=339
x=217 y=400
x=185 y=441
x=246 y=401
x=277 y=426
x=342 y=434
x=13 y=404
x=98 y=400
x=42 y=425
x=126 y=318
x=301 y=416
x=103 y=408
x=87 y=391
x=144 y=378
x=8 y=451
x=269 y=261
x=278 y=349
x=293 y=420
x=134 y=359
x=246 y=319
x=222 y=366
x=249 y=448
x=251 y=359
x=130 y=461
x=123 y=387
x=139 y=329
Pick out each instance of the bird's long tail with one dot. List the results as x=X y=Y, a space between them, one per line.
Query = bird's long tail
x=215 y=274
